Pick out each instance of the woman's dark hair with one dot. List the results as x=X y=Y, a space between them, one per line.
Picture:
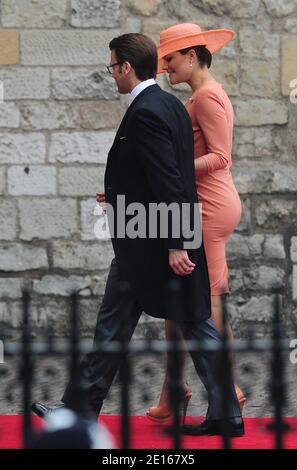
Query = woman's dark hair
x=203 y=55
x=140 y=51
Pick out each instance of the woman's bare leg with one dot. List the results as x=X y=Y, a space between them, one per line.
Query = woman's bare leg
x=217 y=317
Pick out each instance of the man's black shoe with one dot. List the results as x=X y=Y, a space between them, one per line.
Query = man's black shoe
x=43 y=411
x=233 y=428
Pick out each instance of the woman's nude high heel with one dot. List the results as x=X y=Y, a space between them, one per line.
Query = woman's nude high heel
x=163 y=411
x=240 y=396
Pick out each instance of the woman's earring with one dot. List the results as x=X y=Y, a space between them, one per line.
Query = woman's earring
x=191 y=64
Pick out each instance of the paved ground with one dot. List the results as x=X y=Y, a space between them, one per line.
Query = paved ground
x=50 y=377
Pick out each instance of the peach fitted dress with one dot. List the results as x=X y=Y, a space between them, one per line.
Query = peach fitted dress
x=212 y=116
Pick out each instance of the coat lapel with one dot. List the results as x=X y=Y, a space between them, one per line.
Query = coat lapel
x=146 y=91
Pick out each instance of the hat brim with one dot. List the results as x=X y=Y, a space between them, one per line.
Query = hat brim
x=214 y=40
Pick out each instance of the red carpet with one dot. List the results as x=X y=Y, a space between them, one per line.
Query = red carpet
x=148 y=435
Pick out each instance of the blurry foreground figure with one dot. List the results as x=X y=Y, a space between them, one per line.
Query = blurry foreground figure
x=67 y=430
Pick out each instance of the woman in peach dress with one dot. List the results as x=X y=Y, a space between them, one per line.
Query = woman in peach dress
x=185 y=53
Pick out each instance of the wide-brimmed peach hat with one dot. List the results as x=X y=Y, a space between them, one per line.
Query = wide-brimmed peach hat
x=185 y=35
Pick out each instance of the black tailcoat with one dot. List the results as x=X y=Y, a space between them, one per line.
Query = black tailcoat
x=152 y=160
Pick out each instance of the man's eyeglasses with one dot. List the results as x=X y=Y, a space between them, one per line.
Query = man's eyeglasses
x=111 y=66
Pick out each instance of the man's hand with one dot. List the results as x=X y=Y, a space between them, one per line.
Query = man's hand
x=180 y=262
x=100 y=198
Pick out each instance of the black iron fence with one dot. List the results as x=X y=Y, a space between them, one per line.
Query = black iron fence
x=28 y=350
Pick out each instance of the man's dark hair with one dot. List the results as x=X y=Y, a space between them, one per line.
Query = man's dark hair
x=203 y=55
x=140 y=51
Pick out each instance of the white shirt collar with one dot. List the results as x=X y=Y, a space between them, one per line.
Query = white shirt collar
x=139 y=88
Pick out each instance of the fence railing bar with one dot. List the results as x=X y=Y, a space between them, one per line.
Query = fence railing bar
x=153 y=346
x=226 y=379
x=125 y=379
x=277 y=384
x=26 y=370
x=175 y=359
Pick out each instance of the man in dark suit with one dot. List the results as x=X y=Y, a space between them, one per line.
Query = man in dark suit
x=151 y=162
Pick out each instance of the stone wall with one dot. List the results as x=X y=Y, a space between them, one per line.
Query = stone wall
x=58 y=119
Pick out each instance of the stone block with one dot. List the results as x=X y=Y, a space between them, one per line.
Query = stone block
x=264 y=177
x=20 y=257
x=260 y=78
x=32 y=180
x=264 y=278
x=49 y=116
x=242 y=9
x=89 y=257
x=241 y=246
x=33 y=14
x=279 y=9
x=25 y=83
x=76 y=181
x=80 y=147
x=95 y=13
x=22 y=148
x=274 y=247
x=145 y=7
x=256 y=43
x=100 y=114
x=47 y=218
x=253 y=311
x=9 y=47
x=66 y=47
x=256 y=142
x=260 y=112
x=276 y=213
x=83 y=83
x=60 y=285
